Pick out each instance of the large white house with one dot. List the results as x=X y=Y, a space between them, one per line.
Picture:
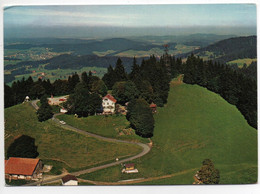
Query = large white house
x=108 y=104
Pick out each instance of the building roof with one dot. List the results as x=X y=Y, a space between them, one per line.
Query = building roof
x=153 y=105
x=21 y=166
x=129 y=165
x=69 y=177
x=110 y=97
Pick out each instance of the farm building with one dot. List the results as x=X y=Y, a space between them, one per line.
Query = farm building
x=57 y=100
x=23 y=168
x=153 y=107
x=63 y=110
x=129 y=168
x=108 y=104
x=69 y=180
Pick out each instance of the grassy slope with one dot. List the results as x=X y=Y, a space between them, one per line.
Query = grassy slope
x=108 y=126
x=56 y=143
x=196 y=124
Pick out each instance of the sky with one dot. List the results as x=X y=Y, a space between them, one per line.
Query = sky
x=93 y=19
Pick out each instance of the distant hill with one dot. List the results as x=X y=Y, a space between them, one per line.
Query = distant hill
x=86 y=47
x=199 y=39
x=228 y=49
x=67 y=61
x=115 y=45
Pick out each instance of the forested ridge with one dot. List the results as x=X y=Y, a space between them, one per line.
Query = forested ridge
x=150 y=81
x=230 y=49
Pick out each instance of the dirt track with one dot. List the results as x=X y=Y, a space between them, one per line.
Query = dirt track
x=145 y=150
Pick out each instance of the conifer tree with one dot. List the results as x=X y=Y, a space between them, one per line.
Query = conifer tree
x=109 y=78
x=120 y=74
x=45 y=111
x=141 y=118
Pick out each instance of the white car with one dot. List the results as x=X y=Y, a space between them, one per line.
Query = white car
x=63 y=122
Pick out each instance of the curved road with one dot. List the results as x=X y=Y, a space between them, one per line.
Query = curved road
x=145 y=147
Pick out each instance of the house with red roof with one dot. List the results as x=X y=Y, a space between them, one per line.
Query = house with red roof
x=108 y=104
x=153 y=107
x=23 y=168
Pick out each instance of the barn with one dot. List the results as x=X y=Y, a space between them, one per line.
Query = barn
x=23 y=168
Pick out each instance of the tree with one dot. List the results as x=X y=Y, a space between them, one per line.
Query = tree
x=82 y=102
x=85 y=78
x=45 y=111
x=135 y=73
x=146 y=91
x=73 y=81
x=208 y=174
x=120 y=74
x=125 y=91
x=37 y=91
x=8 y=96
x=141 y=118
x=99 y=87
x=109 y=78
x=60 y=87
x=24 y=147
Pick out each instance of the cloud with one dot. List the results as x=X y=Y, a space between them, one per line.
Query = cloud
x=75 y=14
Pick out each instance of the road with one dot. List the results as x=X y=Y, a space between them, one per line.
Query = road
x=145 y=150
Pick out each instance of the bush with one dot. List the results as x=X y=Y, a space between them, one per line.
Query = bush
x=208 y=174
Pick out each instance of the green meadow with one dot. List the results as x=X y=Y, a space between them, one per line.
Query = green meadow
x=61 y=147
x=194 y=125
x=114 y=126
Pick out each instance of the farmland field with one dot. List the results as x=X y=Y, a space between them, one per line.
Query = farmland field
x=56 y=144
x=59 y=73
x=240 y=62
x=195 y=124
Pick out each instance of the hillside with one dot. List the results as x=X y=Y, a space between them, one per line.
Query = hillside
x=194 y=125
x=198 y=39
x=84 y=47
x=228 y=49
x=63 y=148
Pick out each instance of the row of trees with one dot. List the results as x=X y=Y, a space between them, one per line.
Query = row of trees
x=36 y=89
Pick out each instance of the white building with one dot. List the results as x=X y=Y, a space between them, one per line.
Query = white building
x=69 y=180
x=109 y=104
x=63 y=110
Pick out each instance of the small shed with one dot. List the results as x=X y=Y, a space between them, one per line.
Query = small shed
x=130 y=166
x=153 y=107
x=63 y=110
x=69 y=180
x=27 y=99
